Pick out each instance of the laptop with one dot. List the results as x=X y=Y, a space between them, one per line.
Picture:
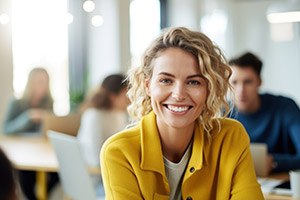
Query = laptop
x=73 y=171
x=259 y=152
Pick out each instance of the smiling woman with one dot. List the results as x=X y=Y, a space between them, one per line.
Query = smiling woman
x=179 y=148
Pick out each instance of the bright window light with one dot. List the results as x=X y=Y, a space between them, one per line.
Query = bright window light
x=281 y=32
x=39 y=37
x=144 y=26
x=214 y=25
x=4 y=18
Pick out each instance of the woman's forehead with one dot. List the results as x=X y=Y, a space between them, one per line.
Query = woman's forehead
x=176 y=60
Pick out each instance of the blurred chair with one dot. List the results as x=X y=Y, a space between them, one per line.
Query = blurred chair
x=73 y=172
x=68 y=124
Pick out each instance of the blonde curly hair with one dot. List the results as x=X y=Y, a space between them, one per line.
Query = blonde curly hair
x=212 y=63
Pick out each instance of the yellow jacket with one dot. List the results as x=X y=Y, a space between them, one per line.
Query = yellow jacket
x=133 y=168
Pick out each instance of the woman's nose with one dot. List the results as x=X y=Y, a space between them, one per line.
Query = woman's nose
x=179 y=93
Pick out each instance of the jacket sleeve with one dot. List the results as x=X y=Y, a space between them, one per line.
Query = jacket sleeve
x=118 y=176
x=291 y=118
x=244 y=181
x=17 y=120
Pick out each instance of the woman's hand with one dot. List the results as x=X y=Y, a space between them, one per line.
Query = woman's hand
x=36 y=114
x=270 y=163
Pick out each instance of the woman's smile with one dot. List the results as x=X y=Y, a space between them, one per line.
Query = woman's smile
x=178 y=109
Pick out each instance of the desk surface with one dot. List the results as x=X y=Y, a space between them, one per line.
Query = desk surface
x=283 y=177
x=32 y=153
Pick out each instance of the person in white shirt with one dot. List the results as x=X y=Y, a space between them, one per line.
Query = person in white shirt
x=105 y=115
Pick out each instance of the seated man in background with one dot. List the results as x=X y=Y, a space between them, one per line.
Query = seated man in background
x=274 y=120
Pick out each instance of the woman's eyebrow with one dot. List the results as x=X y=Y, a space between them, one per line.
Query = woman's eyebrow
x=166 y=74
x=196 y=75
x=188 y=77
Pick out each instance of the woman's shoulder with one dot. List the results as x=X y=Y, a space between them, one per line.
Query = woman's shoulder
x=124 y=140
x=90 y=114
x=229 y=135
x=229 y=128
x=227 y=123
x=92 y=111
x=17 y=103
x=14 y=100
x=104 y=113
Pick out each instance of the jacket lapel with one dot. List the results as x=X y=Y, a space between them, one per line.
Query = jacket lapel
x=152 y=158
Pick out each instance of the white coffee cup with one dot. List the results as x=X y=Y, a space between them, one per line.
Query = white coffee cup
x=295 y=183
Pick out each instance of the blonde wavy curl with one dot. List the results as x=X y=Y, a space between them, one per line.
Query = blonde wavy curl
x=212 y=63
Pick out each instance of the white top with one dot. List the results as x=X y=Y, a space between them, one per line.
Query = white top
x=95 y=127
x=175 y=172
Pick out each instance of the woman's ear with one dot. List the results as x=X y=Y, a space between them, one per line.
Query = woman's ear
x=147 y=84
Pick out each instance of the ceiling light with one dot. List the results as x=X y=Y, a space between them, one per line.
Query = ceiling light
x=97 y=20
x=88 y=6
x=69 y=18
x=284 y=12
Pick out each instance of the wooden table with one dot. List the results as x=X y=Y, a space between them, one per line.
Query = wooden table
x=283 y=177
x=33 y=153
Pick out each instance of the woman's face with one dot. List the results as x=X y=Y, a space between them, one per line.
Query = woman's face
x=40 y=84
x=120 y=101
x=177 y=89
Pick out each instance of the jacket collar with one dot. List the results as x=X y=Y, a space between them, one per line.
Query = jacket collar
x=152 y=158
x=200 y=145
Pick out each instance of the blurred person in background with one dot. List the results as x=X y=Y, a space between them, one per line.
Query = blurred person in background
x=25 y=115
x=105 y=115
x=270 y=119
x=8 y=188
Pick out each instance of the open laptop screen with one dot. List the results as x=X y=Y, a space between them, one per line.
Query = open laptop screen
x=259 y=152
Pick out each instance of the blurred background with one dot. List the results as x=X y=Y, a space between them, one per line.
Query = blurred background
x=80 y=42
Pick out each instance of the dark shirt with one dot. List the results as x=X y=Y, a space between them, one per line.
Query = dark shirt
x=277 y=123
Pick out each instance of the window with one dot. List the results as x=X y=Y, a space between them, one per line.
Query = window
x=144 y=26
x=39 y=36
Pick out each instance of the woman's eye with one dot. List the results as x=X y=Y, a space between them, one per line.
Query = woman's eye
x=165 y=80
x=194 y=83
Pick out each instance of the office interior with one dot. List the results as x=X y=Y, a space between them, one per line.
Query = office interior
x=93 y=52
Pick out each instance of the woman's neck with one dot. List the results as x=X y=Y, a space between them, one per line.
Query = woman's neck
x=175 y=141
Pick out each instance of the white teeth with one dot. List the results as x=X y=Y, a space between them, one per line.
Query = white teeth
x=178 y=109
